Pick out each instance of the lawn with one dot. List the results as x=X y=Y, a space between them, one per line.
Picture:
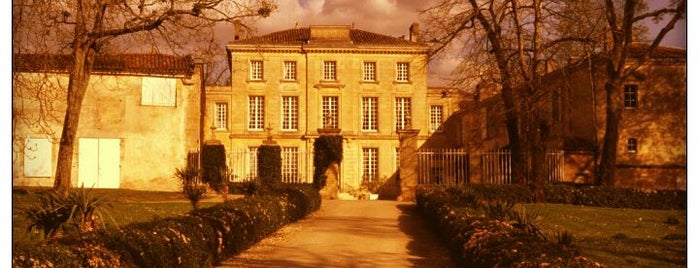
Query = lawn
x=620 y=237
x=127 y=206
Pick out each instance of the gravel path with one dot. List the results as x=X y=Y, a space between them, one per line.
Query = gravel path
x=350 y=234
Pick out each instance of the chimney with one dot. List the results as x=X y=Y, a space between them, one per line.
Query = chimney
x=238 y=29
x=415 y=32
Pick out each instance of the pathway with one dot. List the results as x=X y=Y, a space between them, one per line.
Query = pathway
x=350 y=234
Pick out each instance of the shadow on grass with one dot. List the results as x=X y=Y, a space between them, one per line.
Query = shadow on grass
x=638 y=252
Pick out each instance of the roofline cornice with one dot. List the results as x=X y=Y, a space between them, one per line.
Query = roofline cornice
x=306 y=49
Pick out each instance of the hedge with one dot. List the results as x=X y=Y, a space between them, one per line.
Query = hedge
x=269 y=164
x=480 y=241
x=202 y=238
x=213 y=163
x=583 y=195
x=327 y=149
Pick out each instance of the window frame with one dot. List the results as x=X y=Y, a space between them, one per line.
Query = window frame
x=221 y=117
x=402 y=72
x=257 y=72
x=631 y=96
x=290 y=113
x=331 y=107
x=632 y=145
x=290 y=164
x=436 y=123
x=369 y=74
x=370 y=163
x=256 y=113
x=329 y=70
x=290 y=71
x=403 y=116
x=370 y=114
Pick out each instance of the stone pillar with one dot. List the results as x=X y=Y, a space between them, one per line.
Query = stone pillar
x=332 y=173
x=408 y=164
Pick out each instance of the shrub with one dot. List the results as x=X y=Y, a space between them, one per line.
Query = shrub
x=48 y=214
x=202 y=238
x=269 y=165
x=213 y=165
x=327 y=150
x=190 y=188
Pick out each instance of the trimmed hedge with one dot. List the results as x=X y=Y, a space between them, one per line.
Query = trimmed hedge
x=202 y=238
x=213 y=164
x=583 y=195
x=269 y=164
x=327 y=149
x=479 y=241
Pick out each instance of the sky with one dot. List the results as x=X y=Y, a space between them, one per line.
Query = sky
x=388 y=17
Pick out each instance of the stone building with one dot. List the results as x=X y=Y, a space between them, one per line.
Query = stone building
x=294 y=85
x=652 y=148
x=140 y=117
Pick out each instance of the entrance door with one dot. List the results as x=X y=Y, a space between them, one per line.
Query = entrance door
x=99 y=163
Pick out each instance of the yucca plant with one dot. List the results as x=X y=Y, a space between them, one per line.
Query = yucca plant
x=88 y=209
x=48 y=214
x=191 y=189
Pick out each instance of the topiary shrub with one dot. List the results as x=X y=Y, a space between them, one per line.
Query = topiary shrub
x=327 y=150
x=213 y=165
x=269 y=165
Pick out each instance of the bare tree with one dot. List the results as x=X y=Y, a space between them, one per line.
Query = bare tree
x=515 y=39
x=621 y=23
x=85 y=28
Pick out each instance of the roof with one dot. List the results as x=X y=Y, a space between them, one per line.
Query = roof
x=299 y=36
x=158 y=64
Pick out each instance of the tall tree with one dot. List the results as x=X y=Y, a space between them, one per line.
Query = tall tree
x=85 y=28
x=517 y=38
x=619 y=65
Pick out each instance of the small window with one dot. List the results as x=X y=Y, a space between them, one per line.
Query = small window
x=402 y=72
x=369 y=72
x=631 y=96
x=330 y=70
x=436 y=115
x=256 y=70
x=221 y=114
x=632 y=145
x=290 y=70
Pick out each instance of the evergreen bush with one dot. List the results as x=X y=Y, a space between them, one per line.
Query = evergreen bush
x=213 y=166
x=327 y=150
x=269 y=165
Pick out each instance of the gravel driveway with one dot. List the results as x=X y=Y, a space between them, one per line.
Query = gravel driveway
x=350 y=234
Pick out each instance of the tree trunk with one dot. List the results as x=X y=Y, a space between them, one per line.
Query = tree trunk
x=513 y=136
x=607 y=165
x=83 y=59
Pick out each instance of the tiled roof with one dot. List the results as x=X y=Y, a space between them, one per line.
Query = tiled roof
x=302 y=36
x=659 y=52
x=158 y=64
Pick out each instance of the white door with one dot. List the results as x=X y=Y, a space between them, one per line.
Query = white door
x=99 y=163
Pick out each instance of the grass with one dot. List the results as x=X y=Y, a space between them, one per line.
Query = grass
x=127 y=206
x=620 y=237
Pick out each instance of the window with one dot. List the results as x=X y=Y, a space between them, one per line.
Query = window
x=632 y=145
x=631 y=96
x=221 y=116
x=370 y=163
x=402 y=113
x=369 y=71
x=256 y=70
x=290 y=113
x=330 y=108
x=329 y=70
x=37 y=157
x=290 y=70
x=256 y=113
x=402 y=72
x=436 y=118
x=158 y=91
x=370 y=111
x=290 y=164
x=252 y=159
